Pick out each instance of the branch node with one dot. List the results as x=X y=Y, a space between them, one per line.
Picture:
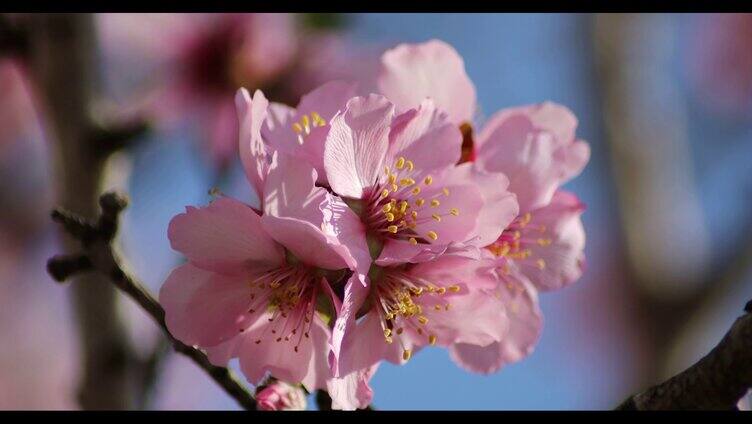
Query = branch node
x=61 y=267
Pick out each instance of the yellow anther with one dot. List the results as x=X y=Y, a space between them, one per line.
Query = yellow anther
x=436 y=217
x=416 y=190
x=317 y=119
x=435 y=203
x=432 y=339
x=387 y=332
x=387 y=207
x=423 y=320
x=413 y=241
x=395 y=188
x=389 y=340
x=410 y=165
x=428 y=180
x=392 y=178
x=406 y=182
x=403 y=206
x=406 y=354
x=541 y=264
x=445 y=191
x=400 y=163
x=386 y=170
x=526 y=219
x=419 y=202
x=544 y=242
x=437 y=307
x=441 y=290
x=392 y=229
x=297 y=128
x=432 y=235
x=416 y=290
x=420 y=331
x=306 y=122
x=455 y=288
x=446 y=307
x=454 y=211
x=384 y=193
x=389 y=217
x=414 y=214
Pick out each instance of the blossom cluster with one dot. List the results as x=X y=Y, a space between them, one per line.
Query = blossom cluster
x=386 y=223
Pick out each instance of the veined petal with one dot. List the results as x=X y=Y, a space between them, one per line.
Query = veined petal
x=357 y=144
x=411 y=72
x=253 y=152
x=225 y=236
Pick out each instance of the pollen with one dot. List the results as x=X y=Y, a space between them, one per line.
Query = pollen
x=400 y=163
x=454 y=288
x=454 y=211
x=392 y=229
x=541 y=264
x=419 y=202
x=435 y=203
x=436 y=217
x=428 y=180
x=432 y=235
x=423 y=320
x=413 y=241
x=432 y=339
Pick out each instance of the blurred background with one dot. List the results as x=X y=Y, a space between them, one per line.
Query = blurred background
x=665 y=102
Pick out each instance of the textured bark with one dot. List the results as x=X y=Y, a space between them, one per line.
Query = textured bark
x=716 y=382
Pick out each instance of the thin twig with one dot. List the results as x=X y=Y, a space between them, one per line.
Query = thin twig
x=716 y=381
x=96 y=242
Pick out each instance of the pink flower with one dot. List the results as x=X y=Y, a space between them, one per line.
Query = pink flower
x=399 y=174
x=535 y=146
x=281 y=396
x=252 y=283
x=440 y=302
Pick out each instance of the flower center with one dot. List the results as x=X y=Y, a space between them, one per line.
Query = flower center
x=403 y=302
x=516 y=240
x=304 y=126
x=288 y=294
x=397 y=209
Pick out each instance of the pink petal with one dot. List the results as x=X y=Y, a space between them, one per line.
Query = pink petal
x=528 y=145
x=280 y=358
x=398 y=252
x=475 y=316
x=326 y=100
x=356 y=145
x=204 y=308
x=316 y=226
x=411 y=72
x=562 y=259
x=352 y=391
x=499 y=204
x=525 y=323
x=425 y=136
x=225 y=236
x=354 y=296
x=253 y=152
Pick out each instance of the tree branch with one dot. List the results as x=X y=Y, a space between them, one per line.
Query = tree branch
x=716 y=381
x=98 y=255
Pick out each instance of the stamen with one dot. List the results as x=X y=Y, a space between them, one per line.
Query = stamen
x=428 y=180
x=435 y=203
x=454 y=211
x=406 y=354
x=432 y=339
x=400 y=163
x=432 y=235
x=413 y=241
